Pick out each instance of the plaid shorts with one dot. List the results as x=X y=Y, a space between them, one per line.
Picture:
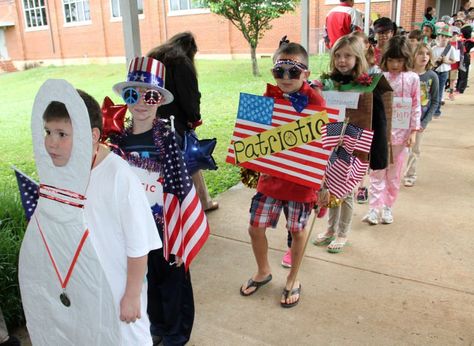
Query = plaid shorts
x=265 y=212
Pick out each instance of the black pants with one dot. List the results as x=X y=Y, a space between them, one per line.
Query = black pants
x=170 y=300
x=462 y=80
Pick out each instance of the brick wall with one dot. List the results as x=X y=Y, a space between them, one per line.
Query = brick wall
x=103 y=36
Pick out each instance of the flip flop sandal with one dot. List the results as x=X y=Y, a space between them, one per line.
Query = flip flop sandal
x=322 y=239
x=287 y=293
x=256 y=284
x=336 y=246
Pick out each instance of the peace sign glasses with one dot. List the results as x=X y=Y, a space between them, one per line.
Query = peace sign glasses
x=131 y=96
x=294 y=72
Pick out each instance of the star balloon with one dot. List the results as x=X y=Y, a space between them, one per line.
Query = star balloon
x=113 y=118
x=198 y=153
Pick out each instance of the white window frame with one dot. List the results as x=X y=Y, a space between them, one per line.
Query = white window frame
x=36 y=7
x=78 y=22
x=187 y=11
x=119 y=18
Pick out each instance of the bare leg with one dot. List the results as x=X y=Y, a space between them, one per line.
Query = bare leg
x=297 y=248
x=260 y=251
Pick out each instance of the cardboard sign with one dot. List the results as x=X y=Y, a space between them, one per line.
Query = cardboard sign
x=152 y=185
x=291 y=135
x=335 y=98
x=401 y=113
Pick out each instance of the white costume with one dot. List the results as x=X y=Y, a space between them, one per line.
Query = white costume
x=88 y=313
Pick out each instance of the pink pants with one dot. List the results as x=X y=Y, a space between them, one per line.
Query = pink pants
x=385 y=183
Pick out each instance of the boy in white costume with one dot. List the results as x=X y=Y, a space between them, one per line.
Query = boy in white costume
x=109 y=261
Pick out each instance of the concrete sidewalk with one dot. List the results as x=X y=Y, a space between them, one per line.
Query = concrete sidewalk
x=411 y=282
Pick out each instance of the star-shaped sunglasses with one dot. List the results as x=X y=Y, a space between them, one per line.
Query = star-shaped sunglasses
x=294 y=71
x=131 y=96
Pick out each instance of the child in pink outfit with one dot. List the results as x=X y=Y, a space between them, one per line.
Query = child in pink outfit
x=385 y=183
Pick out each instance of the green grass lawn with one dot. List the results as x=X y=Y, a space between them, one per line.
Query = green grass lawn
x=220 y=83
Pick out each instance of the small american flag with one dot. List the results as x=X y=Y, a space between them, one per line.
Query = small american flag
x=303 y=165
x=355 y=138
x=28 y=192
x=344 y=172
x=186 y=227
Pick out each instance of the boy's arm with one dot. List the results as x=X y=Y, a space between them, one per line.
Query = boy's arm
x=130 y=302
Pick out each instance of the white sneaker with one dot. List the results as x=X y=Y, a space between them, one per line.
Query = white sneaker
x=387 y=217
x=409 y=182
x=372 y=217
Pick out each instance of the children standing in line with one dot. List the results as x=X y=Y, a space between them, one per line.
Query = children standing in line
x=347 y=64
x=170 y=293
x=458 y=47
x=385 y=183
x=429 y=85
x=274 y=194
x=415 y=37
x=443 y=57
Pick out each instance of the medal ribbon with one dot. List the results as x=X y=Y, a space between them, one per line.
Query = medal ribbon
x=74 y=260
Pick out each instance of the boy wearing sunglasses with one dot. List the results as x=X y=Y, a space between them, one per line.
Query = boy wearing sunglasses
x=170 y=295
x=274 y=194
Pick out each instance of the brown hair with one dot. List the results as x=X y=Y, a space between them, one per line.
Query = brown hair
x=418 y=48
x=58 y=111
x=397 y=48
x=357 y=49
x=292 y=48
x=369 y=51
x=416 y=34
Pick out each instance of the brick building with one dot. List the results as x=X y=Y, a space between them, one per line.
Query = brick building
x=58 y=31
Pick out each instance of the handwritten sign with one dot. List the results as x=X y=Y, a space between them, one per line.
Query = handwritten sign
x=338 y=98
x=152 y=185
x=401 y=113
x=291 y=135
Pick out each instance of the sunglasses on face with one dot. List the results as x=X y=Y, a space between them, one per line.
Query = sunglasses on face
x=131 y=96
x=294 y=71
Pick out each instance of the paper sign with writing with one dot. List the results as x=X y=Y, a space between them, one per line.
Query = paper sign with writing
x=291 y=135
x=401 y=113
x=337 y=98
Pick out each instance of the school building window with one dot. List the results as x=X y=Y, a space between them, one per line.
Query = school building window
x=35 y=13
x=185 y=5
x=115 y=5
x=76 y=11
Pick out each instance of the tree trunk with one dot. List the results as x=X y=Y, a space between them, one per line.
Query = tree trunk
x=253 y=55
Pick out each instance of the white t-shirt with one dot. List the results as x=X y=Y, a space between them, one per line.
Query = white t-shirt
x=437 y=51
x=120 y=224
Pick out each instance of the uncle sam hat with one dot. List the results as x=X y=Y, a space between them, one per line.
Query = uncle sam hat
x=147 y=73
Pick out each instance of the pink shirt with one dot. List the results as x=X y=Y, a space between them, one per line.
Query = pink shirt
x=406 y=84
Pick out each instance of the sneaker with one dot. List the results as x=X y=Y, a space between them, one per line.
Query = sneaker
x=409 y=182
x=362 y=195
x=387 y=217
x=372 y=217
x=286 y=261
x=451 y=97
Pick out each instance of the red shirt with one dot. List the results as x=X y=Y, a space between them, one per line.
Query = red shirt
x=283 y=189
x=342 y=20
x=455 y=45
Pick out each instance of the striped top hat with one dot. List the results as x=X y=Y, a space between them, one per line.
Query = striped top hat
x=147 y=73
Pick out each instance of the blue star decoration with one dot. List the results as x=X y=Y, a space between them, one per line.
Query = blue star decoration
x=198 y=153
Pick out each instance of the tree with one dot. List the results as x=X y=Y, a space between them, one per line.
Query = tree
x=252 y=18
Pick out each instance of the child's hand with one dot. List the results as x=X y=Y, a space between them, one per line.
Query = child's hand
x=411 y=139
x=130 y=308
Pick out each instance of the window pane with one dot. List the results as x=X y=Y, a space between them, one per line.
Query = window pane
x=140 y=6
x=87 y=10
x=28 y=20
x=183 y=4
x=43 y=14
x=25 y=4
x=73 y=10
x=115 y=8
x=42 y=2
x=31 y=4
x=38 y=17
x=80 y=11
x=174 y=5
x=199 y=4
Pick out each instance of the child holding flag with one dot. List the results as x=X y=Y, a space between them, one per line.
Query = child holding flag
x=274 y=194
x=146 y=147
x=348 y=65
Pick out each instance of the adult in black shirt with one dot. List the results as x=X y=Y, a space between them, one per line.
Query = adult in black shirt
x=177 y=54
